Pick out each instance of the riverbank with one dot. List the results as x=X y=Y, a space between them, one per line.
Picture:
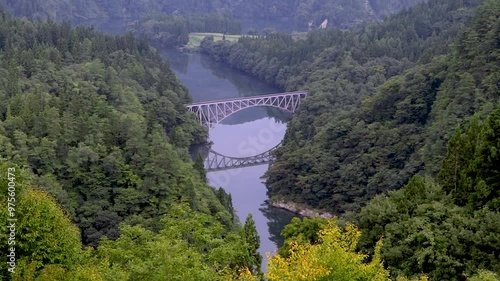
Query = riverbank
x=195 y=38
x=299 y=209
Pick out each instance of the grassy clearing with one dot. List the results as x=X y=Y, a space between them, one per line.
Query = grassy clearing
x=195 y=38
x=299 y=35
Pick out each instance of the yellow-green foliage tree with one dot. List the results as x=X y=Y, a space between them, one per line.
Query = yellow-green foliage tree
x=484 y=275
x=47 y=245
x=190 y=246
x=333 y=258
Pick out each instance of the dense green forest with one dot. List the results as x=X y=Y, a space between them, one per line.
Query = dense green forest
x=442 y=228
x=96 y=129
x=384 y=98
x=448 y=227
x=343 y=13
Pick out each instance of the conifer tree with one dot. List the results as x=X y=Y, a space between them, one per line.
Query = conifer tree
x=252 y=238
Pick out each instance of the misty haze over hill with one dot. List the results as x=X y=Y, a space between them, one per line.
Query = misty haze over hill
x=342 y=13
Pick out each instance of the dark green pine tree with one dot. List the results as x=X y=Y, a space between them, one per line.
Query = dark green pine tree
x=199 y=166
x=471 y=168
x=252 y=239
x=489 y=164
x=226 y=201
x=458 y=175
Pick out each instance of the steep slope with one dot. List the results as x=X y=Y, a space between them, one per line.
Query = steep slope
x=100 y=120
x=356 y=153
x=361 y=131
x=448 y=229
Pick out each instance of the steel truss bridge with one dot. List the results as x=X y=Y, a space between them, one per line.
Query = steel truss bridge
x=210 y=113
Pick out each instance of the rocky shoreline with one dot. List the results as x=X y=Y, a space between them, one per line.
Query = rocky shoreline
x=299 y=209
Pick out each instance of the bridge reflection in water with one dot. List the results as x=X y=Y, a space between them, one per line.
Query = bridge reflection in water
x=210 y=113
x=218 y=162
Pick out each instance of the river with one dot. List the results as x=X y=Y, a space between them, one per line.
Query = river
x=245 y=133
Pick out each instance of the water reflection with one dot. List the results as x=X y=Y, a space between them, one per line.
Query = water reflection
x=244 y=83
x=276 y=220
x=207 y=79
x=178 y=61
x=215 y=161
x=244 y=116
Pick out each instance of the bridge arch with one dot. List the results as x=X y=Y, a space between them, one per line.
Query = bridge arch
x=211 y=113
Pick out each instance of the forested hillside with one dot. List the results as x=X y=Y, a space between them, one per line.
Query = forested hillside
x=338 y=12
x=442 y=228
x=96 y=130
x=447 y=227
x=416 y=94
x=383 y=102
